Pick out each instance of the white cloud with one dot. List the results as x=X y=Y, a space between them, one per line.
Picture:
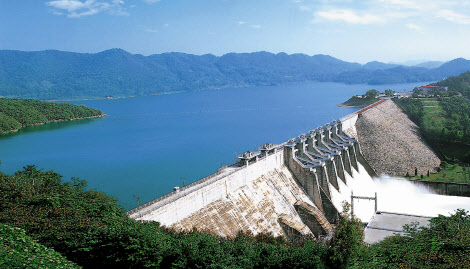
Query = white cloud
x=153 y=29
x=387 y=11
x=69 y=5
x=348 y=16
x=453 y=16
x=76 y=8
x=414 y=27
x=409 y=4
x=254 y=26
x=151 y=1
x=305 y=8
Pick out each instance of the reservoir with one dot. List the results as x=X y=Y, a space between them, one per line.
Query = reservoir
x=147 y=145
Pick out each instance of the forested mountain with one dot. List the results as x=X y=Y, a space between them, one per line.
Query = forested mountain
x=460 y=83
x=17 y=113
x=430 y=64
x=54 y=74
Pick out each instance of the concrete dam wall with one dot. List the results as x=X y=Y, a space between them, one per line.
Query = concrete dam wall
x=293 y=189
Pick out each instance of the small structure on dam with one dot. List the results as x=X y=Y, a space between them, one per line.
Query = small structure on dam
x=293 y=189
x=289 y=189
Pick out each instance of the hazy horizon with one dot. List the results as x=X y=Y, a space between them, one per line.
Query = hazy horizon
x=410 y=62
x=350 y=30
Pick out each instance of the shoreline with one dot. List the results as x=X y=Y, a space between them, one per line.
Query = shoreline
x=42 y=123
x=112 y=98
x=216 y=88
x=152 y=94
x=343 y=105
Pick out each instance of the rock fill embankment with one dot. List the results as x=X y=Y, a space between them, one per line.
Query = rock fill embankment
x=392 y=143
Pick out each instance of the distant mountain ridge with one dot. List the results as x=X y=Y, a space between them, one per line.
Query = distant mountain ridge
x=429 y=64
x=53 y=74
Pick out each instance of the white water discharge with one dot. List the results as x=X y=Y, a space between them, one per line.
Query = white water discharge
x=394 y=195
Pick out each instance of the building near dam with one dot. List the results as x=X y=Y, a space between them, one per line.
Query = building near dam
x=295 y=189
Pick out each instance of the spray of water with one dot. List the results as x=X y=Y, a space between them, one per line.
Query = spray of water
x=394 y=195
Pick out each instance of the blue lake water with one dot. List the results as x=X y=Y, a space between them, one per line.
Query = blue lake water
x=147 y=143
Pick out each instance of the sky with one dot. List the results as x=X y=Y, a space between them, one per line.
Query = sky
x=351 y=30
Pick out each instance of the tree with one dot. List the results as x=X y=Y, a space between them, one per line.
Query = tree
x=417 y=92
x=389 y=92
x=88 y=228
x=372 y=93
x=444 y=244
x=348 y=241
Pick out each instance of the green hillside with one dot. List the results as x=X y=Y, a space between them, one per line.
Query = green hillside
x=18 y=250
x=91 y=230
x=445 y=124
x=460 y=83
x=18 y=113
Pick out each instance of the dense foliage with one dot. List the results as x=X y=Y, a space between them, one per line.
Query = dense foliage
x=18 y=250
x=89 y=228
x=66 y=75
x=347 y=244
x=17 y=113
x=445 y=244
x=460 y=83
x=372 y=93
x=445 y=124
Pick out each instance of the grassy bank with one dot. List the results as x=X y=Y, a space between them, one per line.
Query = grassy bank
x=448 y=173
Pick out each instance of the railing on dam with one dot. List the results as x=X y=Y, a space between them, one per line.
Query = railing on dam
x=222 y=172
x=231 y=168
x=183 y=190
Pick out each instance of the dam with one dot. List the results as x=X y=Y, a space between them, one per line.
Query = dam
x=292 y=189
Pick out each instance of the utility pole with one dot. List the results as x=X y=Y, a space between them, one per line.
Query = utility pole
x=364 y=198
x=184 y=184
x=464 y=172
x=138 y=200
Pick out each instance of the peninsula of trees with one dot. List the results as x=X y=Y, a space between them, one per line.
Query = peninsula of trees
x=50 y=74
x=364 y=100
x=18 y=113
